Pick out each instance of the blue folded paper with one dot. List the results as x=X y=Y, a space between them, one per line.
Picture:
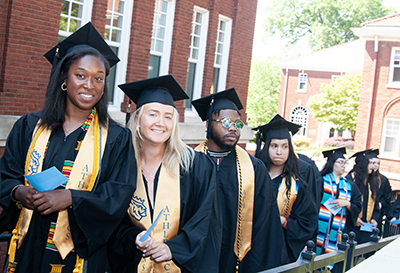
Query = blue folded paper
x=395 y=222
x=47 y=180
x=330 y=206
x=367 y=227
x=147 y=233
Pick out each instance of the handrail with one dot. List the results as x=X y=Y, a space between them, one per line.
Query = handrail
x=5 y=237
x=343 y=258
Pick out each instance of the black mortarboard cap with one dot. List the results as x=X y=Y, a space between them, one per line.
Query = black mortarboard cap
x=373 y=154
x=361 y=153
x=227 y=99
x=163 y=89
x=86 y=36
x=276 y=128
x=335 y=153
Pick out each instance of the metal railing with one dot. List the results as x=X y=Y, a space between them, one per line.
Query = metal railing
x=344 y=258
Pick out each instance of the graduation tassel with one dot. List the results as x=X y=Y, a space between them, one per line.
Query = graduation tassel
x=128 y=112
x=13 y=247
x=258 y=144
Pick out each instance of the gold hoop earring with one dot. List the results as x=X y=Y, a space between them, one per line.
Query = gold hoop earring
x=64 y=86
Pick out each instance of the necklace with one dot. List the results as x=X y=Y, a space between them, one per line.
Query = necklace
x=150 y=174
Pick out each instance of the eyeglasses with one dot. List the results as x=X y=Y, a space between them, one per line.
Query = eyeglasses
x=227 y=122
x=342 y=162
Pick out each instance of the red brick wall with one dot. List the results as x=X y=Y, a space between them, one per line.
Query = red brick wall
x=384 y=104
x=314 y=81
x=32 y=28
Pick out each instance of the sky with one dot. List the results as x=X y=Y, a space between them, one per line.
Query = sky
x=276 y=44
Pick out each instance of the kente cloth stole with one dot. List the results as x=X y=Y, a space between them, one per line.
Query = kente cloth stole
x=330 y=227
x=167 y=198
x=87 y=162
x=370 y=205
x=244 y=226
x=285 y=202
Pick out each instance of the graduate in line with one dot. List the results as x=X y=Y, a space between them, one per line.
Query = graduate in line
x=67 y=228
x=251 y=242
x=172 y=178
x=298 y=212
x=343 y=195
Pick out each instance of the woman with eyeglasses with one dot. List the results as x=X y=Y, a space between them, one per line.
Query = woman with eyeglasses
x=362 y=175
x=340 y=204
x=298 y=212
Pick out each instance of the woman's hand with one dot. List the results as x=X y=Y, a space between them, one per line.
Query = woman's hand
x=159 y=252
x=50 y=201
x=142 y=246
x=339 y=203
x=374 y=223
x=284 y=222
x=359 y=222
x=25 y=195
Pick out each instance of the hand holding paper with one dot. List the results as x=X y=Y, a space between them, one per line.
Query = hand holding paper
x=367 y=227
x=47 y=180
x=329 y=205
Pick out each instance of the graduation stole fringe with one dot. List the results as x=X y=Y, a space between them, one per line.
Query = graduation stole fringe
x=326 y=241
x=285 y=202
x=244 y=225
x=167 y=198
x=87 y=162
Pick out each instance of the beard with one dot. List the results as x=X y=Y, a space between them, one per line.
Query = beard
x=220 y=142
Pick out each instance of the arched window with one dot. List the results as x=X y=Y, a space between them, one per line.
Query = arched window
x=299 y=115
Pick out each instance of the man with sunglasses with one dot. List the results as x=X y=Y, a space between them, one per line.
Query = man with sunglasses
x=251 y=241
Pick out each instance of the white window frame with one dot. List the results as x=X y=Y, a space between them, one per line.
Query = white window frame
x=226 y=43
x=87 y=7
x=169 y=27
x=303 y=129
x=391 y=83
x=383 y=153
x=120 y=74
x=299 y=81
x=201 y=57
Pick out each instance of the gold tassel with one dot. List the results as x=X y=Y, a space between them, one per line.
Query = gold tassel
x=13 y=246
x=78 y=265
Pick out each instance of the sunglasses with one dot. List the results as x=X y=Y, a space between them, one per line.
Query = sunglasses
x=227 y=122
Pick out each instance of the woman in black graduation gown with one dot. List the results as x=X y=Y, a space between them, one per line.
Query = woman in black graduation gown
x=172 y=177
x=344 y=194
x=362 y=175
x=68 y=227
x=299 y=216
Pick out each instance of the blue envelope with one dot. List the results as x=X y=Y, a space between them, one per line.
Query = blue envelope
x=330 y=206
x=147 y=233
x=367 y=227
x=395 y=222
x=47 y=180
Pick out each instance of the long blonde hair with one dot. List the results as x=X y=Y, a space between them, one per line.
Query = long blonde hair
x=175 y=149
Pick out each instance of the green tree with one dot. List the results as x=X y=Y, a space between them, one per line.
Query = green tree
x=263 y=95
x=324 y=23
x=338 y=102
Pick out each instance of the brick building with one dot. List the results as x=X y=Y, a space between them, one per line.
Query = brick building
x=378 y=124
x=302 y=78
x=206 y=45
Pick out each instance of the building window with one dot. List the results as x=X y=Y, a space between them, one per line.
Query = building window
x=394 y=74
x=334 y=78
x=299 y=115
x=74 y=14
x=302 y=84
x=161 y=38
x=196 y=55
x=390 y=137
x=221 y=54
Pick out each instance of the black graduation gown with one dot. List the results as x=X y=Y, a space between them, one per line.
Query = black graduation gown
x=302 y=221
x=363 y=236
x=199 y=226
x=267 y=244
x=395 y=209
x=93 y=216
x=312 y=176
x=385 y=191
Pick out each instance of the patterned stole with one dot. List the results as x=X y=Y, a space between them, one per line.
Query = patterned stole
x=167 y=198
x=370 y=205
x=244 y=225
x=87 y=162
x=285 y=202
x=331 y=227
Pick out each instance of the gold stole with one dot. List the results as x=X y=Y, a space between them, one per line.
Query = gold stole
x=370 y=206
x=245 y=206
x=285 y=203
x=86 y=163
x=167 y=198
